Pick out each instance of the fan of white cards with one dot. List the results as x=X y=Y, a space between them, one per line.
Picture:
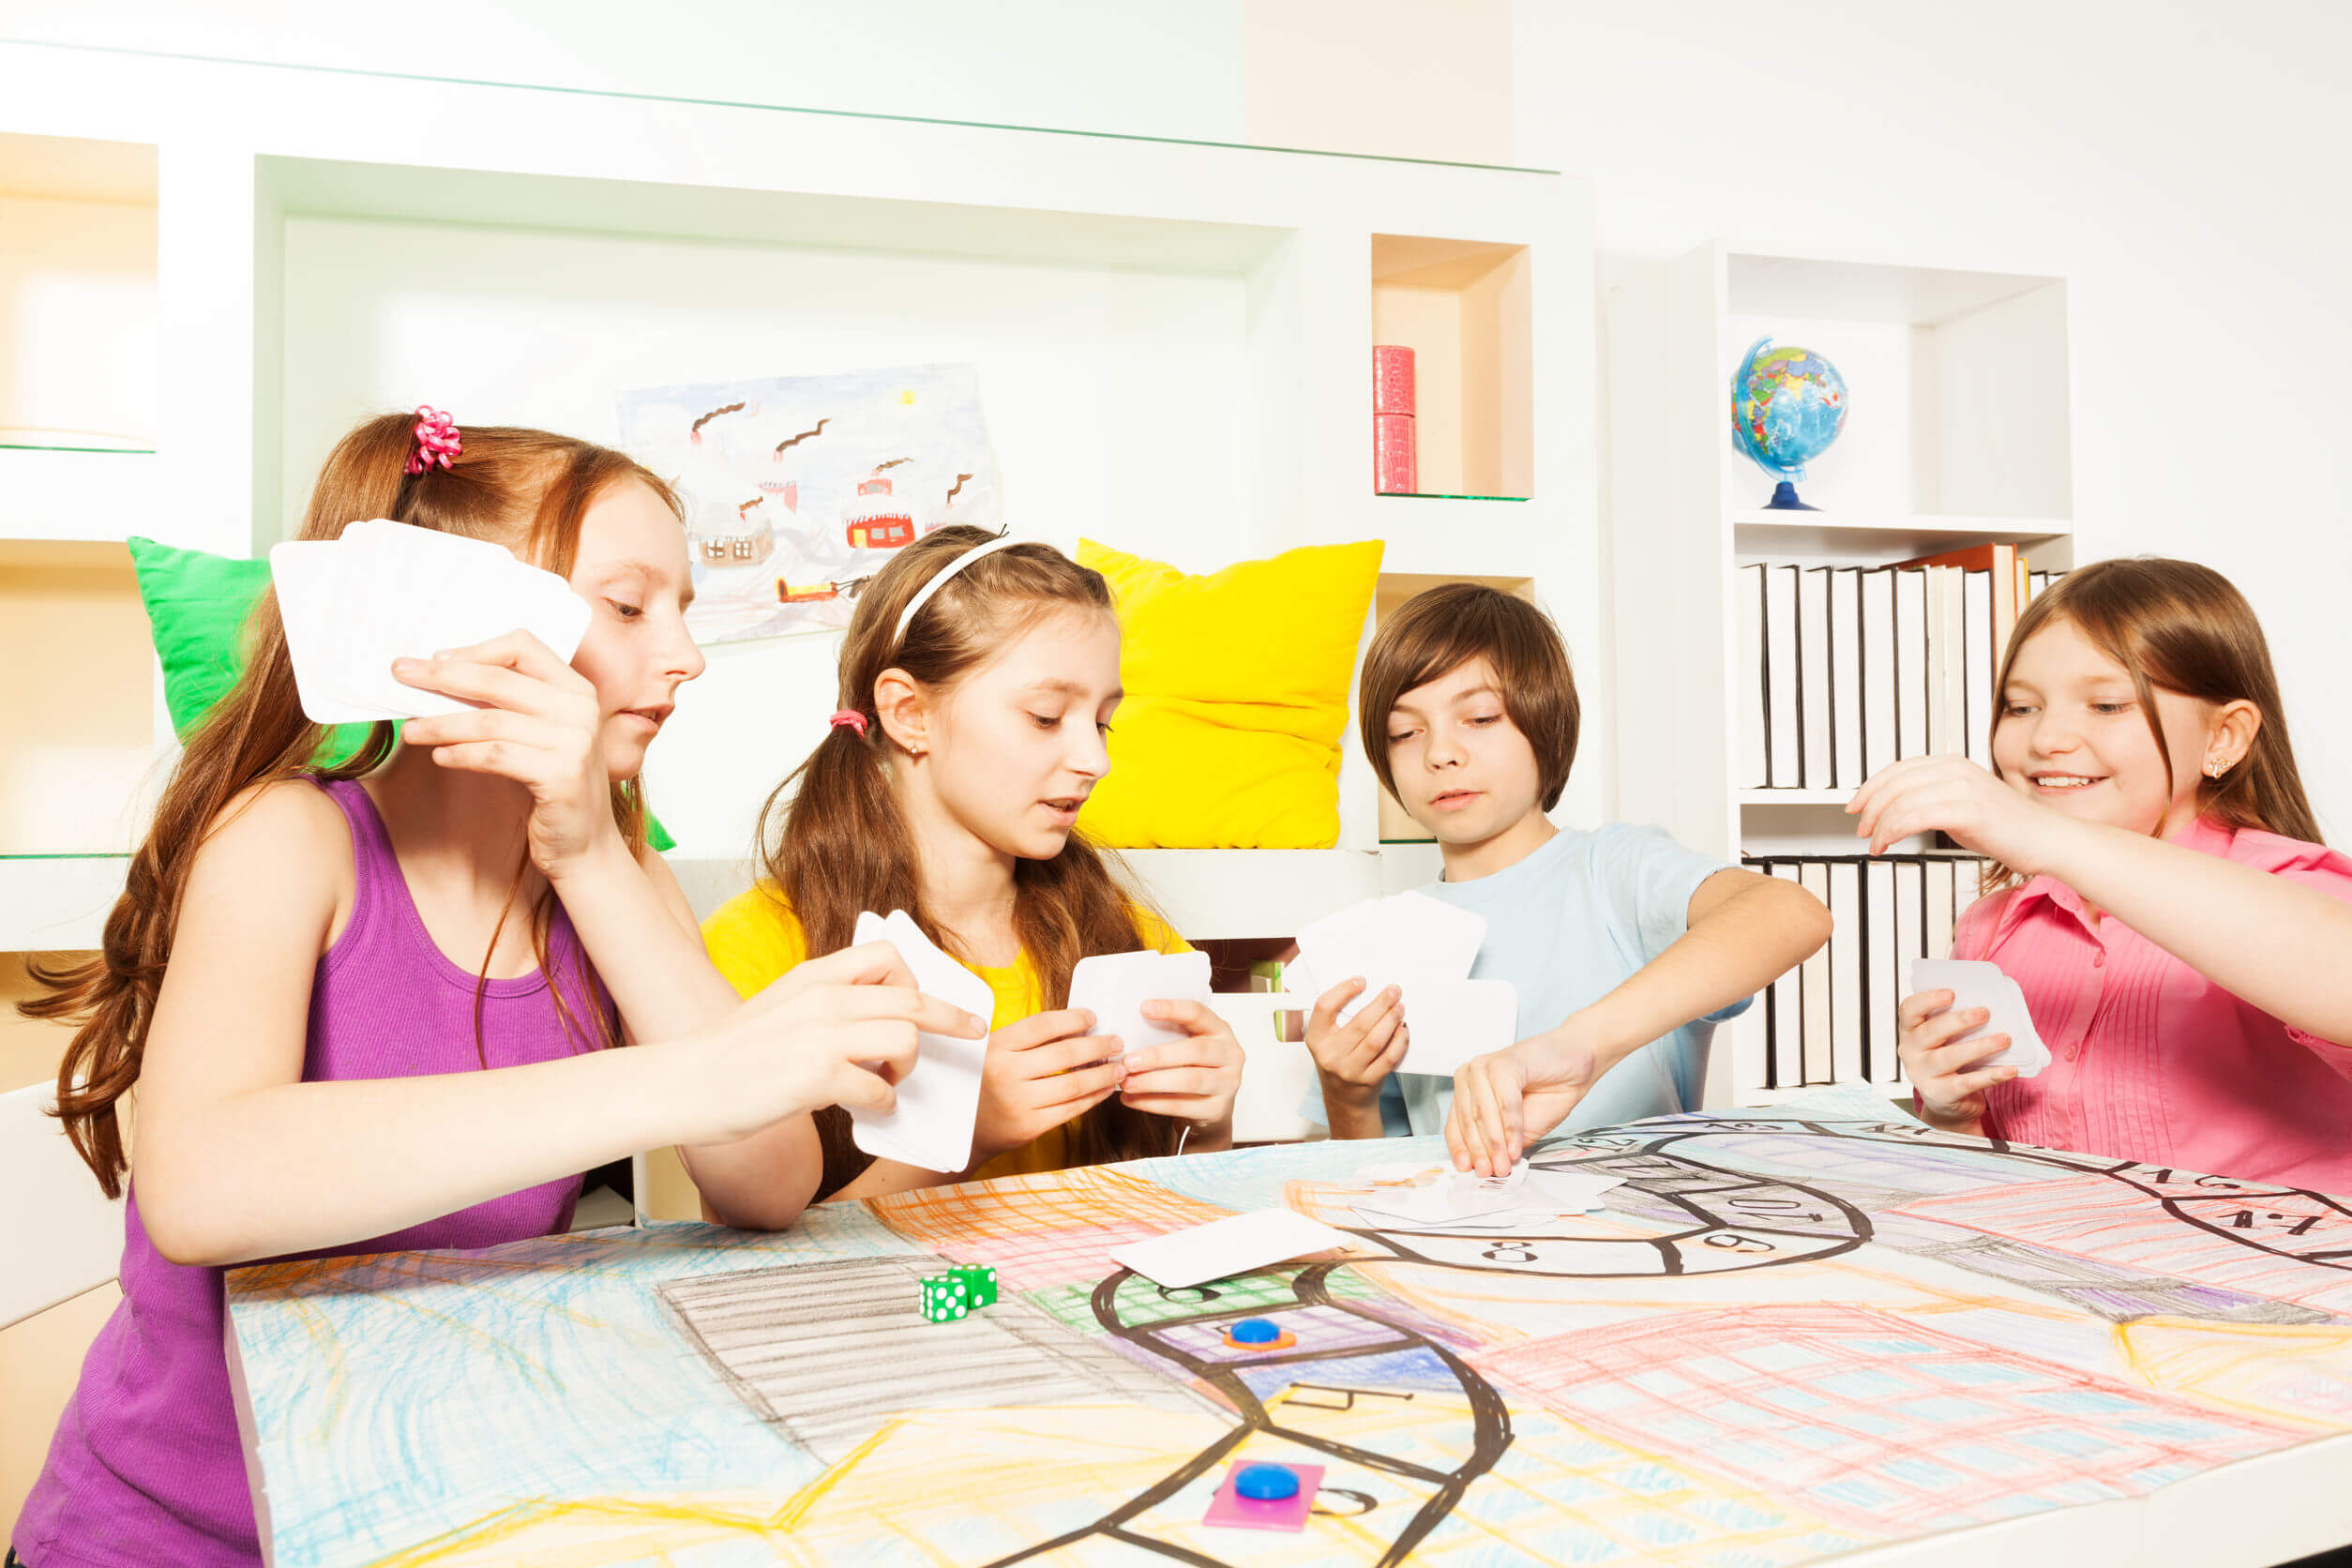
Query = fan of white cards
x=1424 y=946
x=390 y=590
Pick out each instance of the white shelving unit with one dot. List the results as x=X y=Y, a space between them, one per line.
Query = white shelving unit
x=1960 y=435
x=79 y=398
x=1172 y=340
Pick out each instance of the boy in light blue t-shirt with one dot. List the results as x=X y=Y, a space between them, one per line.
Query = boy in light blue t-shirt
x=1626 y=948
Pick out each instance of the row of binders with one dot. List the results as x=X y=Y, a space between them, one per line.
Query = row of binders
x=1844 y=669
x=1832 y=1019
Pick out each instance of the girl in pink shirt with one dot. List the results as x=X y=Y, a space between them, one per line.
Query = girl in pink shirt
x=2158 y=892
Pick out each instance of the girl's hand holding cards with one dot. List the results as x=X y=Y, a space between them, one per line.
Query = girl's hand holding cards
x=538 y=723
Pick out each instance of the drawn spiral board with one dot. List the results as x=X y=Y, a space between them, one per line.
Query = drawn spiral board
x=1790 y=1334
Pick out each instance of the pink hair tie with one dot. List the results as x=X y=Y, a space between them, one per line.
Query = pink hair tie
x=436 y=439
x=849 y=718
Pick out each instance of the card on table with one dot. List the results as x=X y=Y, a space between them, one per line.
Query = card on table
x=387 y=590
x=1225 y=1247
x=938 y=1102
x=1115 y=986
x=1976 y=983
x=1470 y=1205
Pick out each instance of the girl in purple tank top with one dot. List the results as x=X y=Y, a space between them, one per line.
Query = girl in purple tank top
x=365 y=1005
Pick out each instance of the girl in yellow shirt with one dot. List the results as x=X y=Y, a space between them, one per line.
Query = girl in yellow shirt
x=978 y=681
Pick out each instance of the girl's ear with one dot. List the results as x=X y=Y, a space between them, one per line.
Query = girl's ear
x=2232 y=736
x=904 y=713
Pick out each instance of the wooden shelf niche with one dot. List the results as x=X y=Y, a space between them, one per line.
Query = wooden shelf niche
x=78 y=344
x=1463 y=307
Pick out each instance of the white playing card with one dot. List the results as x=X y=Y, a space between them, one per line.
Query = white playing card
x=1411 y=928
x=1457 y=1201
x=303 y=572
x=1225 y=1247
x=405 y=591
x=1396 y=940
x=1449 y=1022
x=1457 y=1194
x=938 y=1102
x=1975 y=983
x=1518 y=1220
x=1115 y=986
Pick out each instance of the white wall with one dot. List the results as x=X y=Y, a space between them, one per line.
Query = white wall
x=543 y=326
x=2185 y=167
x=1142 y=66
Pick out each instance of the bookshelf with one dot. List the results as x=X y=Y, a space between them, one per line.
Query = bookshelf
x=1172 y=341
x=1960 y=435
x=79 y=413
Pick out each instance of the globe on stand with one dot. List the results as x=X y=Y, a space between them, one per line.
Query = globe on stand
x=1788 y=405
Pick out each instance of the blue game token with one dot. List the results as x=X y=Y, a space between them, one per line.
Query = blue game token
x=1254 y=1331
x=1266 y=1483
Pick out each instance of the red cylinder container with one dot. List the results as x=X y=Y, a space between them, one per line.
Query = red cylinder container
x=1392 y=379
x=1394 y=466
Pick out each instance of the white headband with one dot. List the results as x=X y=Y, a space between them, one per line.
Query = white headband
x=939 y=579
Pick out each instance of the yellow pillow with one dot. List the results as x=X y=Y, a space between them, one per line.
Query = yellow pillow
x=1237 y=695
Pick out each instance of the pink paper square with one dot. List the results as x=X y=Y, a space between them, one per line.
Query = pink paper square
x=1231 y=1509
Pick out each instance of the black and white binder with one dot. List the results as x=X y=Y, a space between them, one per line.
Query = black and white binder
x=1848 y=954
x=1784 y=750
x=1786 y=1048
x=1882 y=971
x=1818 y=1069
x=1881 y=667
x=1846 y=676
x=1747 y=592
x=1812 y=677
x=1911 y=654
x=1977 y=599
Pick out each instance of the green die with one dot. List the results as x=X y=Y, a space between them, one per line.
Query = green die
x=945 y=1298
x=979 y=1281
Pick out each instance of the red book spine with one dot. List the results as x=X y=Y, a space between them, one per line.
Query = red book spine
x=1394 y=466
x=1392 y=379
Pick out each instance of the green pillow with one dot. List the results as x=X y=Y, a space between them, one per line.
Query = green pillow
x=197 y=603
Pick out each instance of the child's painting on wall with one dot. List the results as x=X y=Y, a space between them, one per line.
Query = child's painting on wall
x=799 y=487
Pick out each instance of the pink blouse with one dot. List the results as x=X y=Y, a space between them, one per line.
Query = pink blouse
x=2149 y=1060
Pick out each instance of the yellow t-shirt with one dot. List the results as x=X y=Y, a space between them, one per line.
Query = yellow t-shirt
x=755 y=938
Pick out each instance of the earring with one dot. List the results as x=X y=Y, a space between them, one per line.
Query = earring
x=2215 y=767
x=914 y=752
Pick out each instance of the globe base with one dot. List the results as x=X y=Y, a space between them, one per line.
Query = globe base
x=1785 y=499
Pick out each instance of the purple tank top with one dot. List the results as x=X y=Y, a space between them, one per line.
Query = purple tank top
x=145 y=1468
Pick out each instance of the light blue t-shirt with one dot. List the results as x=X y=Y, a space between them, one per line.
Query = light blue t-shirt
x=1567 y=925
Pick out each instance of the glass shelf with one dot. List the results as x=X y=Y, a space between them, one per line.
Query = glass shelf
x=69 y=854
x=684 y=100
x=1443 y=495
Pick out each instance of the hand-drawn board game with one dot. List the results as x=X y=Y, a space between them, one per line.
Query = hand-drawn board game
x=798 y=489
x=1789 y=1334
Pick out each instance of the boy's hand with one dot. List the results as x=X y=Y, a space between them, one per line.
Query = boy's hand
x=1355 y=1058
x=1505 y=1099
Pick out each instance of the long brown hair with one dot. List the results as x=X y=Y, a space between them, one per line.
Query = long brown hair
x=2178 y=627
x=527 y=489
x=836 y=842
